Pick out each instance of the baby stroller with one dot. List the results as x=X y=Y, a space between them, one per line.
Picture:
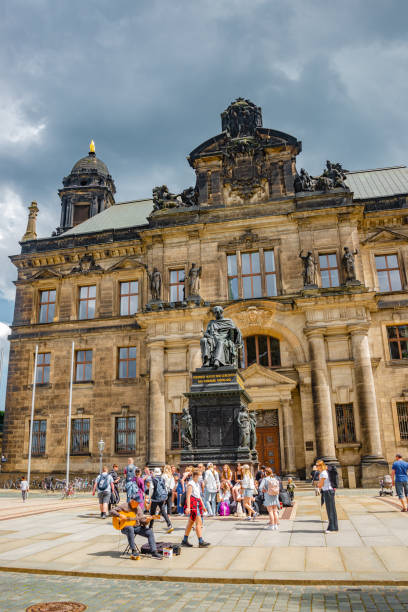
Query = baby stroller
x=386 y=485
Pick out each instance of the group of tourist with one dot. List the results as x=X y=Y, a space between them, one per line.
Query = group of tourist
x=223 y=491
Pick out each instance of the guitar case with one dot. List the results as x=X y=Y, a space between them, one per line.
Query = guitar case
x=145 y=548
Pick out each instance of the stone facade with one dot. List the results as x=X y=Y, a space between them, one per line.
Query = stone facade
x=334 y=391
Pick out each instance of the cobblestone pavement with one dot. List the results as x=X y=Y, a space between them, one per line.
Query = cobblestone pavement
x=17 y=591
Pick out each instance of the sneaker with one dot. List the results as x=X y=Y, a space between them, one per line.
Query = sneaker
x=270 y=527
x=203 y=544
x=157 y=555
x=276 y=527
x=103 y=515
x=255 y=514
x=170 y=529
x=135 y=556
x=247 y=518
x=183 y=543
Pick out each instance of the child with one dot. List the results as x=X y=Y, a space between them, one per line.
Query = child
x=290 y=487
x=24 y=488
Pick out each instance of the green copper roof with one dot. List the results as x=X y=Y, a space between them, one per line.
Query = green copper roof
x=126 y=214
x=379 y=183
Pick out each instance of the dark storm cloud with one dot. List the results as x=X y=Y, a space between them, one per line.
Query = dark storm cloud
x=148 y=79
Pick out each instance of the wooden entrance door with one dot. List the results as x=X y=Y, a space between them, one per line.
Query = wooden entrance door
x=267 y=446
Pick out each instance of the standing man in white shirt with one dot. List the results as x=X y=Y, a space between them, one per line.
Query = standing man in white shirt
x=24 y=488
x=328 y=496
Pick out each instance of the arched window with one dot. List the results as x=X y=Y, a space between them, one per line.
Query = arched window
x=264 y=350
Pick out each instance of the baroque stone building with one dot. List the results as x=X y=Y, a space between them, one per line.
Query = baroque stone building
x=313 y=270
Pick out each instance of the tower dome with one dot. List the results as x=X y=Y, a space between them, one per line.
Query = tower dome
x=87 y=190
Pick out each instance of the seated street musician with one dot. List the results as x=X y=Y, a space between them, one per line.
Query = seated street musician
x=138 y=525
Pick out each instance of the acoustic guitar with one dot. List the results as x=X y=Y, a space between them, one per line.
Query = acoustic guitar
x=128 y=519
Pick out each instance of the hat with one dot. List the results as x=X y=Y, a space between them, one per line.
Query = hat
x=157 y=471
x=209 y=465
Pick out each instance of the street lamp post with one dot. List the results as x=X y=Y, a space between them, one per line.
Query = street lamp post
x=101 y=446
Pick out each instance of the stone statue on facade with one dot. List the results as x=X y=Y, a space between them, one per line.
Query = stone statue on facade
x=333 y=176
x=309 y=269
x=348 y=264
x=241 y=118
x=186 y=425
x=252 y=417
x=155 y=284
x=193 y=280
x=244 y=423
x=221 y=343
x=336 y=174
x=303 y=181
x=189 y=197
x=162 y=198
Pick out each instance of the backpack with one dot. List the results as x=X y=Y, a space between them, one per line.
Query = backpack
x=102 y=482
x=333 y=476
x=159 y=489
x=273 y=486
x=130 y=472
x=284 y=497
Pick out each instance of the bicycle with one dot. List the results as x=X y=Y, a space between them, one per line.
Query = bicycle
x=68 y=492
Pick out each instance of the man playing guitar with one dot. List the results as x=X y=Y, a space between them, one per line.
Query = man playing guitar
x=138 y=526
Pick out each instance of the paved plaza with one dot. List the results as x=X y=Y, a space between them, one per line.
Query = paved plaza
x=371 y=545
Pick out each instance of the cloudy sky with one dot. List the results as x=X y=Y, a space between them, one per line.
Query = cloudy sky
x=147 y=80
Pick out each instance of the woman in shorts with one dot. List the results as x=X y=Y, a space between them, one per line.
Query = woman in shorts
x=270 y=488
x=248 y=484
x=194 y=509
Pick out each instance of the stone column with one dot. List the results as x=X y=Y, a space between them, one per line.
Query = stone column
x=288 y=436
x=365 y=392
x=325 y=448
x=157 y=409
x=194 y=356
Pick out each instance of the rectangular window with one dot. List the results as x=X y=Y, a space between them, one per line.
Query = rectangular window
x=125 y=434
x=176 y=285
x=255 y=277
x=346 y=431
x=251 y=275
x=388 y=272
x=43 y=368
x=232 y=277
x=402 y=412
x=264 y=350
x=329 y=271
x=87 y=301
x=398 y=341
x=83 y=366
x=47 y=306
x=80 y=436
x=127 y=362
x=129 y=298
x=39 y=437
x=175 y=431
x=270 y=273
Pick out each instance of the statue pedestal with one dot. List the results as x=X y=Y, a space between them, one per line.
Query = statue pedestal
x=216 y=398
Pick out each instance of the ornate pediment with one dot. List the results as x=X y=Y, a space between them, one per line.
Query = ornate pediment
x=259 y=376
x=385 y=234
x=247 y=240
x=253 y=317
x=45 y=273
x=127 y=263
x=87 y=265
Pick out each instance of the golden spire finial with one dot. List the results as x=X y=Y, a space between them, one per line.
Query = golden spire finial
x=92 y=147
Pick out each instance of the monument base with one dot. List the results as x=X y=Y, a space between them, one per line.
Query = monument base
x=216 y=399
